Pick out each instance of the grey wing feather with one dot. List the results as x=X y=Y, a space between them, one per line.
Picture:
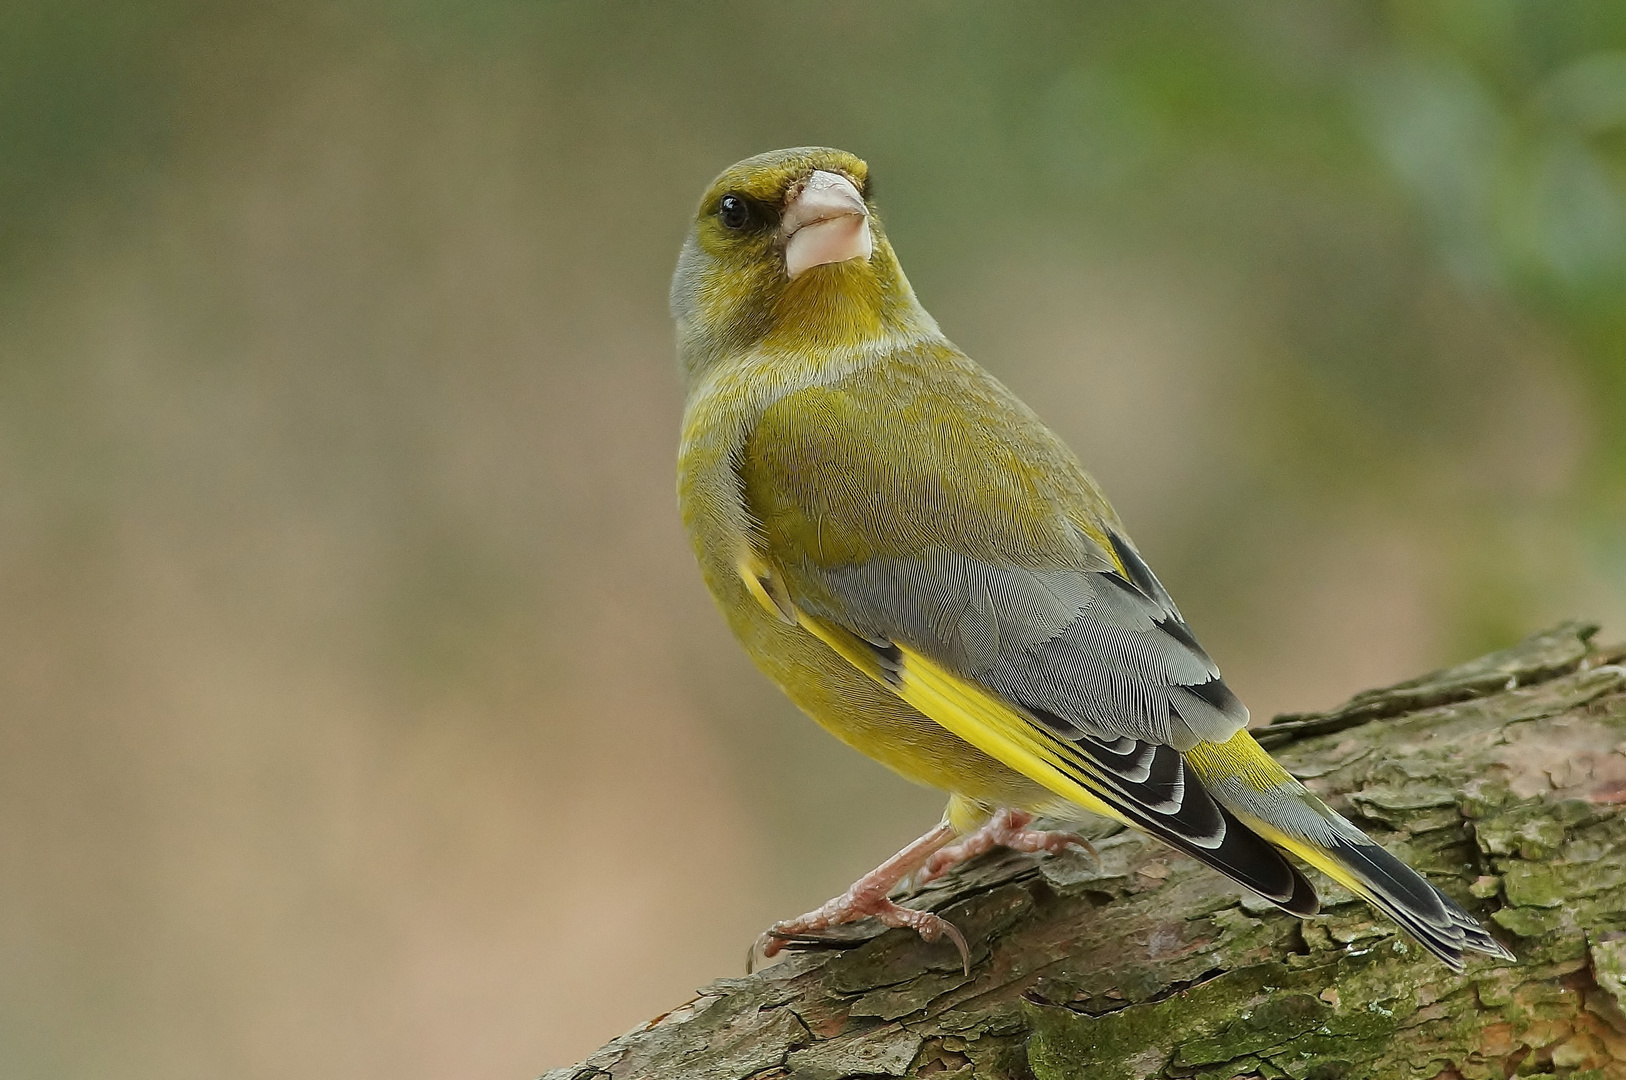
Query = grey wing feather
x=1102 y=651
x=1098 y=659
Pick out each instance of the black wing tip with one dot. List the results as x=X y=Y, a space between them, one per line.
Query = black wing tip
x=1168 y=792
x=1304 y=902
x=1254 y=863
x=1196 y=823
x=1251 y=857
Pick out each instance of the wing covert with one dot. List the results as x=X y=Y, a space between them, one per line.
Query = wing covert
x=1010 y=610
x=1087 y=648
x=982 y=545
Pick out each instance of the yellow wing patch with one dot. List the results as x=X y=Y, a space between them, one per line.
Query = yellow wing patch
x=764 y=585
x=967 y=710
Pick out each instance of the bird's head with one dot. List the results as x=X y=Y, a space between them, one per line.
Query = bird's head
x=786 y=251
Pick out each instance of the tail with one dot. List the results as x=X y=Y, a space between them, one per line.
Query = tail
x=1266 y=797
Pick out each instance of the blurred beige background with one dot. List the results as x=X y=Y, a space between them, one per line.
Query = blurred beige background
x=361 y=710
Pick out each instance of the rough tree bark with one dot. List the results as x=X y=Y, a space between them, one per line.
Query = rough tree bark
x=1504 y=780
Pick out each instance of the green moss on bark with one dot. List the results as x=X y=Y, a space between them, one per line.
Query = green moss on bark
x=1504 y=781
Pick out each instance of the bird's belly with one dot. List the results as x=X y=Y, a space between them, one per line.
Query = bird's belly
x=871 y=718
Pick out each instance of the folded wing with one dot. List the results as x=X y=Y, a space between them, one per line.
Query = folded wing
x=979 y=574
x=1062 y=656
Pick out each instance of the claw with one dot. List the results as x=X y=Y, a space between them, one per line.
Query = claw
x=928 y=857
x=794 y=932
x=930 y=927
x=866 y=898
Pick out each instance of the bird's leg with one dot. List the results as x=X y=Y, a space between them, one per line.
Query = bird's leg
x=867 y=898
x=1007 y=828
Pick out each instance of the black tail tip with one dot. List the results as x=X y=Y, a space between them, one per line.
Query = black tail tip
x=1438 y=922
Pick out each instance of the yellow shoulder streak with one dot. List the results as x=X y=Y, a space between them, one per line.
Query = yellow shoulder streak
x=959 y=705
x=1001 y=731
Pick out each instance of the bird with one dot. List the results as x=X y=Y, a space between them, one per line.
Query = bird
x=926 y=570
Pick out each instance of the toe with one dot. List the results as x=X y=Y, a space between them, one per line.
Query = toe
x=938 y=865
x=930 y=927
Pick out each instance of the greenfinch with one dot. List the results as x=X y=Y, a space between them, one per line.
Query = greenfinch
x=928 y=572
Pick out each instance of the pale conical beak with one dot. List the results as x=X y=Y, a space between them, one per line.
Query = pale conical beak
x=827 y=222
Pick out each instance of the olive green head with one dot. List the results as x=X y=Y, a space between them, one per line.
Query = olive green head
x=786 y=251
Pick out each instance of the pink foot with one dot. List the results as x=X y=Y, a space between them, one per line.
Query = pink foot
x=868 y=899
x=1007 y=828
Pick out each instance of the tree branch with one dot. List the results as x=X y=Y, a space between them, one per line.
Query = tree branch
x=1503 y=780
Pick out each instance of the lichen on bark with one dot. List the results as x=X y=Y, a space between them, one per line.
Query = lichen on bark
x=1503 y=780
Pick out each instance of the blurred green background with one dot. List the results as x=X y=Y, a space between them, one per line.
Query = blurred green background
x=361 y=710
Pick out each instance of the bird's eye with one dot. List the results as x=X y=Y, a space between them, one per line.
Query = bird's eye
x=734 y=212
